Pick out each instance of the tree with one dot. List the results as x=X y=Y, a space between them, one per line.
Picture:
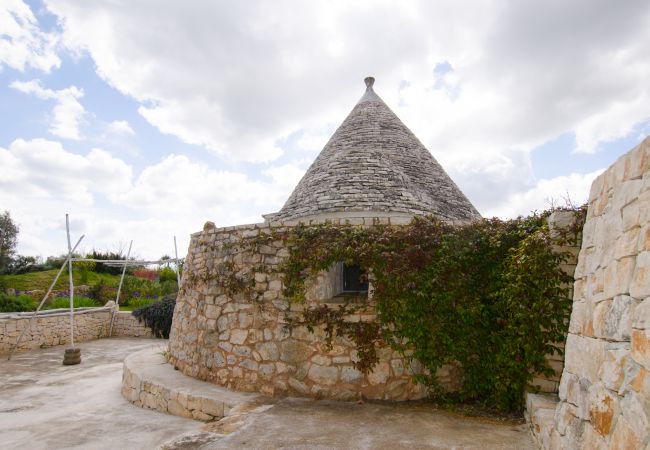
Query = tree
x=8 y=240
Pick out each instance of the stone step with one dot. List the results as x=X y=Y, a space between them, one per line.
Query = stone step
x=148 y=381
x=540 y=415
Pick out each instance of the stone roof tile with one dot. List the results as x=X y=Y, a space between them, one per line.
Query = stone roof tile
x=373 y=162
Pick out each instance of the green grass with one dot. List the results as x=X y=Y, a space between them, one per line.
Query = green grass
x=79 y=302
x=42 y=280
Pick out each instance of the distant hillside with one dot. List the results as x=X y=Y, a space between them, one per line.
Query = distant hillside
x=42 y=280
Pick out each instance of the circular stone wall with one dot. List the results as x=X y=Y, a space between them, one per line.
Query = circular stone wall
x=229 y=327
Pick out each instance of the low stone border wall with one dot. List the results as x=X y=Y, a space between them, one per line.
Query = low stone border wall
x=128 y=326
x=540 y=416
x=150 y=382
x=52 y=327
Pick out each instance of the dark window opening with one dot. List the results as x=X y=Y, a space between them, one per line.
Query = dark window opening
x=354 y=279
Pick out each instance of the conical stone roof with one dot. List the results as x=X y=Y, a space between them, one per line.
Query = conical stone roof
x=374 y=165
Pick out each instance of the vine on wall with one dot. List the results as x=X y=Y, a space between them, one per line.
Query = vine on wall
x=489 y=296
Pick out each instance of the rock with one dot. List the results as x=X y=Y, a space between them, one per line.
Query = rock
x=350 y=375
x=636 y=411
x=212 y=311
x=298 y=386
x=323 y=374
x=238 y=337
x=640 y=283
x=612 y=371
x=249 y=364
x=618 y=320
x=268 y=351
x=321 y=360
x=603 y=407
x=379 y=374
x=295 y=352
x=624 y=436
x=641 y=315
x=641 y=347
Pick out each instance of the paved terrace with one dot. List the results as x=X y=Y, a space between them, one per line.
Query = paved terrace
x=44 y=405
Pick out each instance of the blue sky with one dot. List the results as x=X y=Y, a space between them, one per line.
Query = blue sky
x=145 y=125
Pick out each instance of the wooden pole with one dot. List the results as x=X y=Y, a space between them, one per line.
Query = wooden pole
x=40 y=305
x=119 y=289
x=67 y=230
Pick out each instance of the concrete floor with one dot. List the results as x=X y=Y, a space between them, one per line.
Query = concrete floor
x=44 y=405
x=309 y=424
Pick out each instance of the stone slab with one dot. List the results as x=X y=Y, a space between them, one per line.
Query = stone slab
x=150 y=382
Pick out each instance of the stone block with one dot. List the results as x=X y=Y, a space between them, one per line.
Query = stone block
x=326 y=375
x=298 y=386
x=584 y=356
x=268 y=351
x=640 y=346
x=634 y=377
x=598 y=321
x=618 y=277
x=603 y=408
x=612 y=372
x=644 y=239
x=565 y=415
x=295 y=352
x=618 y=321
x=636 y=411
x=641 y=315
x=249 y=364
x=238 y=337
x=350 y=375
x=592 y=440
x=640 y=282
x=627 y=244
x=379 y=374
x=624 y=437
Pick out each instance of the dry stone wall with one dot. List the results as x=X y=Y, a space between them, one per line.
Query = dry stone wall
x=51 y=328
x=605 y=388
x=238 y=338
x=234 y=341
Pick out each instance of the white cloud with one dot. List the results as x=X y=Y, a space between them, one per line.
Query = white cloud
x=573 y=188
x=67 y=114
x=238 y=78
x=43 y=170
x=22 y=43
x=110 y=205
x=121 y=127
x=178 y=187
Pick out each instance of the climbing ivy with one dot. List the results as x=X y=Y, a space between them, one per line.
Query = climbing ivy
x=489 y=296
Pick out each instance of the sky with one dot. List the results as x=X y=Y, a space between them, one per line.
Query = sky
x=143 y=120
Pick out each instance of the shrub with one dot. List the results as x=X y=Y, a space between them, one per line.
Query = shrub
x=158 y=315
x=101 y=292
x=167 y=274
x=103 y=268
x=133 y=287
x=145 y=274
x=79 y=302
x=137 y=303
x=489 y=296
x=168 y=287
x=84 y=268
x=20 y=303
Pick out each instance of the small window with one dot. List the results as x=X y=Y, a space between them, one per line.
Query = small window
x=354 y=279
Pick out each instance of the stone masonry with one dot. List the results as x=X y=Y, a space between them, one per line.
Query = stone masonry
x=51 y=328
x=242 y=344
x=605 y=388
x=237 y=342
